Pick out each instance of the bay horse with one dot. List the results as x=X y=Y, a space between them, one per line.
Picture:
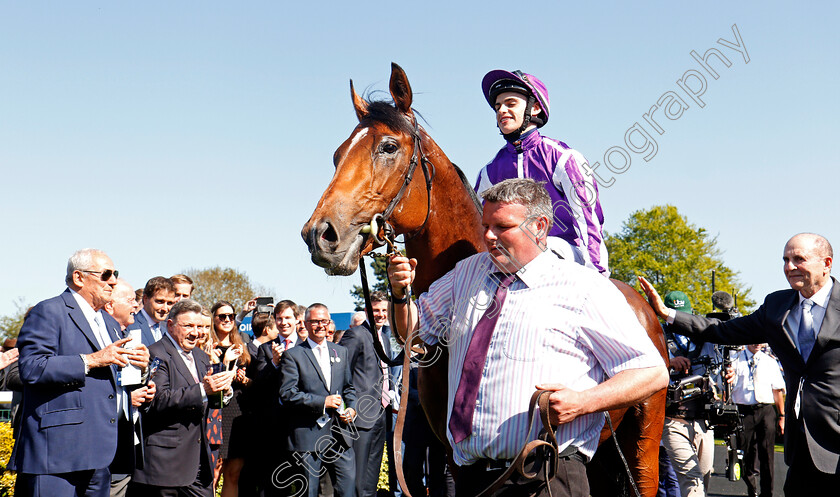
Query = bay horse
x=438 y=213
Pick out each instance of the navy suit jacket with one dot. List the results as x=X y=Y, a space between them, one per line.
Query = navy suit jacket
x=175 y=425
x=367 y=374
x=819 y=420
x=68 y=420
x=146 y=331
x=303 y=391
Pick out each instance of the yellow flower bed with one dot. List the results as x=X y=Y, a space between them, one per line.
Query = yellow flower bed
x=7 y=478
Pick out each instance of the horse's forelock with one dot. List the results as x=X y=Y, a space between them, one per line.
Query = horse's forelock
x=380 y=111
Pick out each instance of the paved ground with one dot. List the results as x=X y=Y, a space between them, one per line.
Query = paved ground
x=721 y=486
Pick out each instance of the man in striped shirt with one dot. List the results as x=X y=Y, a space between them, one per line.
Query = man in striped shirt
x=560 y=327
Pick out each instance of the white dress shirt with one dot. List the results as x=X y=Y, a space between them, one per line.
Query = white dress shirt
x=157 y=331
x=322 y=355
x=756 y=377
x=820 y=300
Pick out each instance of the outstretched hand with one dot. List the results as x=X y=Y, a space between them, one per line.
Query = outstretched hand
x=653 y=297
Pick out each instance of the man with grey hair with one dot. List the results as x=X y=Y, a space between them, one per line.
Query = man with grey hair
x=177 y=456
x=122 y=306
x=69 y=357
x=518 y=318
x=317 y=392
x=802 y=325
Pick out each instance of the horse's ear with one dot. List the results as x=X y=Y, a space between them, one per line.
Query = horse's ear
x=400 y=89
x=359 y=103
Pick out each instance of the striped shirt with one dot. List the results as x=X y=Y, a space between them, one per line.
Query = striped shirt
x=560 y=323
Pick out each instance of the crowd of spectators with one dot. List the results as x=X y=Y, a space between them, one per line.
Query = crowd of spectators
x=212 y=408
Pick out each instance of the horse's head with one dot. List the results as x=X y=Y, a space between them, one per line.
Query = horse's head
x=371 y=167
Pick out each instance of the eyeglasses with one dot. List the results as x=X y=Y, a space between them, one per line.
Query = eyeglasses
x=316 y=322
x=225 y=317
x=105 y=275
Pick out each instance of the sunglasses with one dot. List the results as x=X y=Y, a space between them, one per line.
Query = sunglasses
x=225 y=317
x=105 y=275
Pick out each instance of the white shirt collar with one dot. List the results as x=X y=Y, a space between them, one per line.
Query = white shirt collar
x=149 y=319
x=315 y=345
x=821 y=297
x=180 y=350
x=86 y=308
x=540 y=265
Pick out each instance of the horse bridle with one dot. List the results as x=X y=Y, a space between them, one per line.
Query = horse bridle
x=380 y=221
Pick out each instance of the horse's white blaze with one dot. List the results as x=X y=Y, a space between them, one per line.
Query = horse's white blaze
x=356 y=137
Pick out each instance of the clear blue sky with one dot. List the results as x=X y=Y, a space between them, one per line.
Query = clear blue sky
x=179 y=135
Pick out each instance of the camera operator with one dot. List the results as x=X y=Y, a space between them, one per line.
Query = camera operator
x=757 y=385
x=688 y=441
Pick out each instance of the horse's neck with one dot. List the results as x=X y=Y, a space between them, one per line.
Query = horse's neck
x=453 y=231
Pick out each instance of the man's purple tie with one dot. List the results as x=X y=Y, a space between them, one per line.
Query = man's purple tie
x=463 y=407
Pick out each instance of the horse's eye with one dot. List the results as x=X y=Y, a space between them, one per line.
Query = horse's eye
x=388 y=148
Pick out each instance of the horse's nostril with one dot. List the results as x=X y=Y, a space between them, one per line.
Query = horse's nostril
x=329 y=235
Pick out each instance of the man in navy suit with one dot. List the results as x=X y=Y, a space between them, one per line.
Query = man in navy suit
x=802 y=325
x=158 y=299
x=371 y=381
x=69 y=354
x=177 y=456
x=316 y=390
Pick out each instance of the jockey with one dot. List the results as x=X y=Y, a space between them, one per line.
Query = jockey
x=521 y=104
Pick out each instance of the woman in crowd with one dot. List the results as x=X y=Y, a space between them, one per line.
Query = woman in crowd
x=229 y=346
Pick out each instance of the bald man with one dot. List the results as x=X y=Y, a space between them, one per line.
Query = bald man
x=802 y=325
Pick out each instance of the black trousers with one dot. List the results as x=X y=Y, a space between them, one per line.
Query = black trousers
x=368 y=448
x=758 y=442
x=804 y=479
x=570 y=481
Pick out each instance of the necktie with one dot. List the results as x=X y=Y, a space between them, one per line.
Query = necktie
x=287 y=344
x=386 y=398
x=191 y=364
x=104 y=340
x=156 y=331
x=324 y=362
x=463 y=408
x=101 y=332
x=806 y=330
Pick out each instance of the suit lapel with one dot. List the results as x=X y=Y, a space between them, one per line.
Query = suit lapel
x=788 y=308
x=175 y=352
x=78 y=317
x=145 y=329
x=831 y=322
x=311 y=354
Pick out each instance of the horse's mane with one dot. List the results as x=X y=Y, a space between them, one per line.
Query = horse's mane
x=383 y=111
x=468 y=187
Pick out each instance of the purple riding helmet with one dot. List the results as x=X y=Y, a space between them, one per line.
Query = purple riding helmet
x=499 y=81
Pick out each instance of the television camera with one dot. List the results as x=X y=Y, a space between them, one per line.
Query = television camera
x=696 y=396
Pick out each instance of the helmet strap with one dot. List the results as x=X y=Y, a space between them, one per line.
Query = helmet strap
x=526 y=121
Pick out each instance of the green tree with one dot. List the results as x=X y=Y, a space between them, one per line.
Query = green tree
x=10 y=325
x=379 y=282
x=218 y=283
x=660 y=244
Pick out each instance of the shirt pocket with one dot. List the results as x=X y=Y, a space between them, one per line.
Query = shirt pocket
x=524 y=344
